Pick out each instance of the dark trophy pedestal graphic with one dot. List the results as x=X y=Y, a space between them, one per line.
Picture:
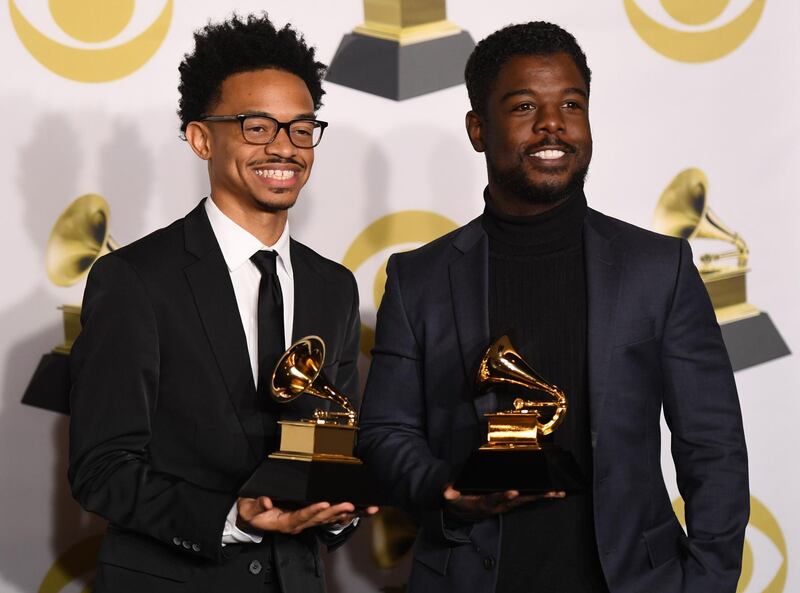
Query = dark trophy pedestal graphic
x=404 y=49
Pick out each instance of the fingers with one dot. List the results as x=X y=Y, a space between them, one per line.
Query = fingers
x=451 y=494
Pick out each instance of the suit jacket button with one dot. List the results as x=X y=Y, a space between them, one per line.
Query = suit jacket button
x=176 y=541
x=255 y=567
x=488 y=562
x=187 y=544
x=195 y=547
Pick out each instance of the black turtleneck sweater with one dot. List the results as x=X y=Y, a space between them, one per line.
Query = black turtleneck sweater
x=537 y=295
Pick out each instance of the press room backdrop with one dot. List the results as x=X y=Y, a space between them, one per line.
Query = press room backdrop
x=87 y=105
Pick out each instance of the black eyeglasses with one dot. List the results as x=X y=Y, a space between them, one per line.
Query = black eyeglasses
x=303 y=132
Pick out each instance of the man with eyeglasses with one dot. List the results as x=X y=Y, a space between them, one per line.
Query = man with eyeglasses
x=171 y=410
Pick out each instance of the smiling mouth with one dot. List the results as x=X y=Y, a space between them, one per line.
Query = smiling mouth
x=547 y=154
x=279 y=174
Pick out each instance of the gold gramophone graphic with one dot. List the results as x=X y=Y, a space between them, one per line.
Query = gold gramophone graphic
x=683 y=211
x=518 y=428
x=315 y=461
x=328 y=436
x=512 y=458
x=79 y=237
x=404 y=48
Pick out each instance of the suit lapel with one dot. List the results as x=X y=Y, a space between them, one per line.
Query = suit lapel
x=603 y=283
x=213 y=293
x=310 y=315
x=469 y=281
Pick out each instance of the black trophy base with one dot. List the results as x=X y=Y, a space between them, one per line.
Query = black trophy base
x=294 y=484
x=550 y=469
x=388 y=69
x=50 y=384
x=753 y=341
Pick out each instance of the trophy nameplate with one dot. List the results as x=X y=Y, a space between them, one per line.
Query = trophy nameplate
x=682 y=211
x=315 y=461
x=512 y=458
x=404 y=48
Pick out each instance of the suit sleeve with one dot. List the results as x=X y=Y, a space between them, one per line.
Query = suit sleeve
x=392 y=438
x=115 y=385
x=701 y=407
x=347 y=380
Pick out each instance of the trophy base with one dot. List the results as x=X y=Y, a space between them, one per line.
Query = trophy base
x=396 y=71
x=295 y=484
x=527 y=470
x=50 y=385
x=752 y=341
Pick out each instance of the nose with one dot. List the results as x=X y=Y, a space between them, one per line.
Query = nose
x=281 y=146
x=549 y=119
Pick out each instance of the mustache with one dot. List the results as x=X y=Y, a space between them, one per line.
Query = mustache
x=275 y=160
x=550 y=142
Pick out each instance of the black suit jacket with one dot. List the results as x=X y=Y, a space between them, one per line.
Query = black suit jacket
x=165 y=423
x=653 y=343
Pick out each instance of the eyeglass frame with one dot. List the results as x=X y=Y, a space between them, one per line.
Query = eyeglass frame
x=281 y=125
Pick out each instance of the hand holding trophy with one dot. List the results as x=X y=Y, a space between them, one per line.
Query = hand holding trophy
x=315 y=461
x=512 y=458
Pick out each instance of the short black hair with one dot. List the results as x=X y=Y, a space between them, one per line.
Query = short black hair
x=242 y=45
x=536 y=38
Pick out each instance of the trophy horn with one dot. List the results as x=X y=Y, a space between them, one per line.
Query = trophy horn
x=79 y=237
x=299 y=370
x=683 y=211
x=503 y=365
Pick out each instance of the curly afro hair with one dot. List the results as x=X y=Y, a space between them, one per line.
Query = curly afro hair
x=242 y=45
x=528 y=39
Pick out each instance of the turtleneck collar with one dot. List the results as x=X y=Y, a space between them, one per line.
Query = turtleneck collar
x=554 y=230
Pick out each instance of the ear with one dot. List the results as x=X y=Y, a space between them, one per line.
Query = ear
x=199 y=138
x=475 y=131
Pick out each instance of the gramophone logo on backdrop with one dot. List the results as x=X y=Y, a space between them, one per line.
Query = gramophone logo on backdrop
x=696 y=40
x=92 y=23
x=683 y=211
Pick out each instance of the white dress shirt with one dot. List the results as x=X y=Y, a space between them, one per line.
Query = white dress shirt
x=237 y=246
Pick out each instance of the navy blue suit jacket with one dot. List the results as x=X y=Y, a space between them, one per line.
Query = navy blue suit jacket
x=653 y=343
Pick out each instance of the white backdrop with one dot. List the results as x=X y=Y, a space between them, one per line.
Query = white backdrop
x=734 y=117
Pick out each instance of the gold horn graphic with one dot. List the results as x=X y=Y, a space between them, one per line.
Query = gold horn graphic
x=683 y=211
x=299 y=371
x=520 y=427
x=79 y=237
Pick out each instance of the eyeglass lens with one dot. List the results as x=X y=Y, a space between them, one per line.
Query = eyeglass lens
x=262 y=130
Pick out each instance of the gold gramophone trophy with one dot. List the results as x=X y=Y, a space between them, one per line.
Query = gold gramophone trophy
x=79 y=237
x=404 y=48
x=683 y=211
x=512 y=458
x=315 y=461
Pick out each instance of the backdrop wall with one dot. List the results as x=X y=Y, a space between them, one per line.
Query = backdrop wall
x=88 y=105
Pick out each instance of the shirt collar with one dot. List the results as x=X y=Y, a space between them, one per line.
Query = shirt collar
x=238 y=245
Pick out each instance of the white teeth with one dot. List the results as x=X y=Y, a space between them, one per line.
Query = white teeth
x=549 y=155
x=275 y=173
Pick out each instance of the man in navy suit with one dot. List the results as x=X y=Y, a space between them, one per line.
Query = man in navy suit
x=615 y=315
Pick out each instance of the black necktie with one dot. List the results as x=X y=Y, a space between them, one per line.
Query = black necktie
x=270 y=319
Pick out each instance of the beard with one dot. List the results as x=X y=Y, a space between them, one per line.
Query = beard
x=514 y=181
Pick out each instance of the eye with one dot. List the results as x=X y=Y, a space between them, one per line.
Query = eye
x=573 y=105
x=527 y=106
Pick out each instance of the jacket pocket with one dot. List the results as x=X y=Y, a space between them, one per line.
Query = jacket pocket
x=664 y=542
x=639 y=330
x=142 y=554
x=431 y=555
